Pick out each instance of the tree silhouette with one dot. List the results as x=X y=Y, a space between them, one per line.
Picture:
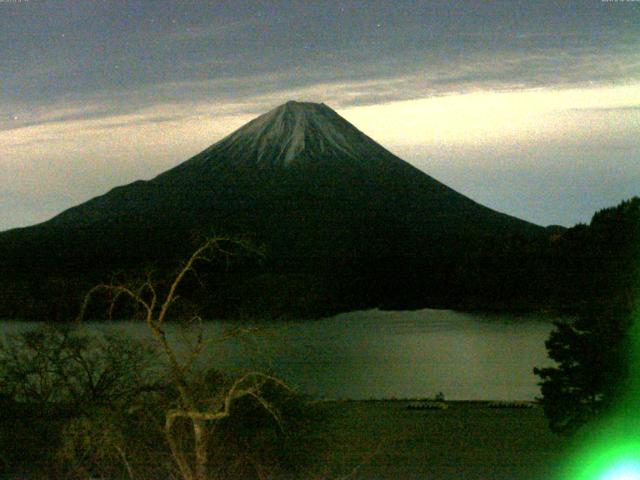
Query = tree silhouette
x=599 y=264
x=200 y=403
x=592 y=356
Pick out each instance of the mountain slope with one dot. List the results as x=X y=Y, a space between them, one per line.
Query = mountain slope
x=299 y=163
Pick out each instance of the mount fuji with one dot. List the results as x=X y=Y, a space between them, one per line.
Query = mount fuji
x=324 y=199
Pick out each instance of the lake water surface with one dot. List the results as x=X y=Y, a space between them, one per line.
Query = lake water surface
x=385 y=354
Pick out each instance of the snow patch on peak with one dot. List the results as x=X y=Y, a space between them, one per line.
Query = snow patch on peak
x=293 y=129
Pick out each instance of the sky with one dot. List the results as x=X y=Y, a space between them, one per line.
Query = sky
x=528 y=107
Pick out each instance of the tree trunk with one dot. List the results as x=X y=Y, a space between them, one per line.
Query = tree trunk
x=183 y=464
x=200 y=439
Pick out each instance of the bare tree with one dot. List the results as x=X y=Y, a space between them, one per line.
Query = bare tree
x=199 y=414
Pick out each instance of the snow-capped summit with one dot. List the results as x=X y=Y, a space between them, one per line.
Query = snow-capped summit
x=293 y=133
x=293 y=129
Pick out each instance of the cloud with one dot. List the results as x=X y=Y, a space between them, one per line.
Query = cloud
x=206 y=58
x=212 y=32
x=618 y=109
x=20 y=117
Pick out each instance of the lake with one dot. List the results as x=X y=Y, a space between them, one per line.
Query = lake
x=384 y=354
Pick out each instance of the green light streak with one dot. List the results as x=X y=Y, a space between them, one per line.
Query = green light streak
x=610 y=449
x=610 y=458
x=624 y=471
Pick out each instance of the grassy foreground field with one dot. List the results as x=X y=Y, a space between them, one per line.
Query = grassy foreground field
x=468 y=440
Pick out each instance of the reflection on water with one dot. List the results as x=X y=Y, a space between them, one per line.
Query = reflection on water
x=376 y=354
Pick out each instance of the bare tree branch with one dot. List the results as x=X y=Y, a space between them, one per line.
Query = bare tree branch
x=155 y=310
